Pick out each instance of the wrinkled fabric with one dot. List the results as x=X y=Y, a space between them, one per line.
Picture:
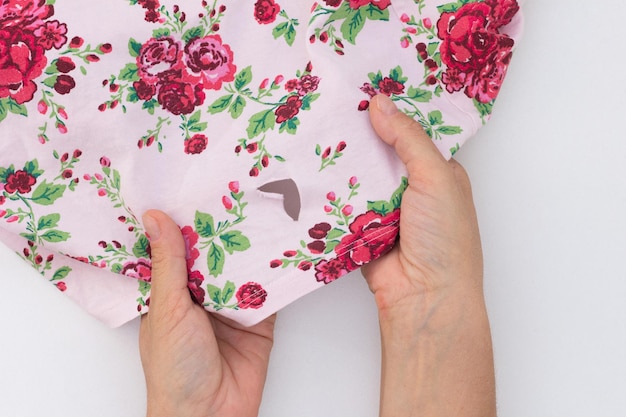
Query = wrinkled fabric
x=246 y=121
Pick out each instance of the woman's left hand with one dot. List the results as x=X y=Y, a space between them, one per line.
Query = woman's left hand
x=195 y=363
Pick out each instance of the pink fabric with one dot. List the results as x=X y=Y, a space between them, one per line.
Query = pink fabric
x=245 y=121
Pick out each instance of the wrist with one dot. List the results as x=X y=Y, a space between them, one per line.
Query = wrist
x=437 y=357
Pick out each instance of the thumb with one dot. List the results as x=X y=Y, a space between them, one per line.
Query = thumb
x=412 y=144
x=169 y=266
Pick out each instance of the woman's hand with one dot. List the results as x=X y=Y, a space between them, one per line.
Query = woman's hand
x=437 y=356
x=195 y=364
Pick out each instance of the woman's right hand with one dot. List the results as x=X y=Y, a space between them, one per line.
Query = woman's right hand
x=437 y=355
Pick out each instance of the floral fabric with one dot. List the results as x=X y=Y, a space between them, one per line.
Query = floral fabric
x=244 y=120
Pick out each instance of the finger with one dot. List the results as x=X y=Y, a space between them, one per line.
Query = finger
x=412 y=144
x=169 y=267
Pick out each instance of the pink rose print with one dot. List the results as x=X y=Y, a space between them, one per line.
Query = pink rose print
x=454 y=80
x=372 y=236
x=251 y=295
x=307 y=84
x=140 y=269
x=328 y=271
x=52 y=34
x=265 y=11
x=156 y=57
x=20 y=181
x=22 y=60
x=196 y=144
x=476 y=53
x=210 y=61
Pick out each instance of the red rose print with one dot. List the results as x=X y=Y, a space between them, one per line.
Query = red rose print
x=178 y=98
x=486 y=85
x=291 y=85
x=265 y=11
x=25 y=14
x=328 y=271
x=372 y=236
x=251 y=295
x=196 y=144
x=319 y=231
x=191 y=239
x=389 y=86
x=20 y=181
x=210 y=61
x=51 y=34
x=288 y=110
x=332 y=3
x=305 y=265
x=194 y=284
x=141 y=269
x=76 y=42
x=381 y=4
x=61 y=286
x=22 y=60
x=502 y=11
x=65 y=64
x=467 y=40
x=144 y=90
x=317 y=246
x=156 y=57
x=64 y=84
x=106 y=48
x=475 y=52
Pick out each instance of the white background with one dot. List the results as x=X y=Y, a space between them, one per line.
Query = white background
x=549 y=175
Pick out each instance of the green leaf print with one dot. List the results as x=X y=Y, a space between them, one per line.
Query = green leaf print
x=243 y=78
x=55 y=236
x=220 y=104
x=215 y=260
x=353 y=24
x=261 y=122
x=48 y=222
x=134 y=47
x=46 y=194
x=236 y=109
x=234 y=241
x=204 y=224
x=61 y=273
x=140 y=248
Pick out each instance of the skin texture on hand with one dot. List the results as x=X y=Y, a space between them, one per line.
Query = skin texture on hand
x=195 y=364
x=436 y=342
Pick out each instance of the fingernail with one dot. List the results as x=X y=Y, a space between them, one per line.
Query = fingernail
x=385 y=105
x=152 y=227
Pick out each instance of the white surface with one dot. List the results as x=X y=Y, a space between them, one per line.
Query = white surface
x=549 y=175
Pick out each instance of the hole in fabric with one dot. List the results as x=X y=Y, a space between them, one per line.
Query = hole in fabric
x=289 y=191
